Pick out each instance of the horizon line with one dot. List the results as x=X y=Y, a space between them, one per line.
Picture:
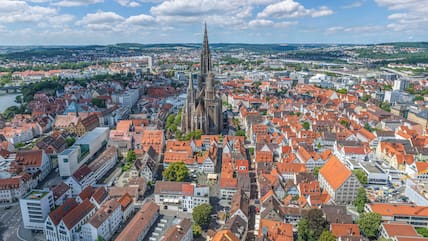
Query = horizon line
x=198 y=43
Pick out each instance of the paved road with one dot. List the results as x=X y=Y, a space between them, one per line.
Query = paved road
x=10 y=221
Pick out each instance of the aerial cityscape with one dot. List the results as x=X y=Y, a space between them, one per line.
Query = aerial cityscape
x=259 y=120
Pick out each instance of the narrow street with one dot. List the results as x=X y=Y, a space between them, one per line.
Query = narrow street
x=253 y=197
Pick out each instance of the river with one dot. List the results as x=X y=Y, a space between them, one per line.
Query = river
x=7 y=100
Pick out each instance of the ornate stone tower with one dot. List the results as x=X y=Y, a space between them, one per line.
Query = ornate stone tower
x=203 y=109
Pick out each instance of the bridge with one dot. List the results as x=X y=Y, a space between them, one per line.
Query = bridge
x=10 y=89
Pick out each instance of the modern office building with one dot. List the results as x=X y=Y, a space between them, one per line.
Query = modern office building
x=35 y=208
x=85 y=148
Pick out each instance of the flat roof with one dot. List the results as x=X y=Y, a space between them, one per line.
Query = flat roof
x=372 y=168
x=36 y=194
x=92 y=135
x=69 y=150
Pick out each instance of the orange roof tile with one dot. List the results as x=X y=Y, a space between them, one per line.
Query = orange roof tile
x=276 y=231
x=400 y=229
x=125 y=201
x=224 y=235
x=335 y=172
x=340 y=230
x=386 y=209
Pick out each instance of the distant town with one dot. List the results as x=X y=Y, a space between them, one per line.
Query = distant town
x=216 y=142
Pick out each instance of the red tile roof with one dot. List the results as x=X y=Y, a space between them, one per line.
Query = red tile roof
x=276 y=231
x=340 y=230
x=86 y=193
x=139 y=223
x=79 y=212
x=57 y=214
x=400 y=229
x=125 y=201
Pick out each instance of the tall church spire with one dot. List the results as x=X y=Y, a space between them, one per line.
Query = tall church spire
x=190 y=86
x=205 y=55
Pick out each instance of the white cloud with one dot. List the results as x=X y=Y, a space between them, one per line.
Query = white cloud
x=355 y=29
x=76 y=3
x=128 y=3
x=234 y=14
x=193 y=7
x=264 y=23
x=141 y=19
x=100 y=17
x=285 y=24
x=356 y=4
x=412 y=15
x=321 y=12
x=102 y=21
x=38 y=1
x=13 y=11
x=256 y=23
x=413 y=5
x=292 y=9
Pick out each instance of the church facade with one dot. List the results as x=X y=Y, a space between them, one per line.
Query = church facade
x=203 y=108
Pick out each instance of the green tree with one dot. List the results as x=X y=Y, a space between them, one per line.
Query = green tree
x=387 y=87
x=316 y=171
x=100 y=103
x=100 y=238
x=304 y=233
x=368 y=127
x=417 y=98
x=306 y=125
x=130 y=156
x=169 y=121
x=365 y=98
x=240 y=133
x=176 y=172
x=312 y=225
x=361 y=176
x=194 y=135
x=386 y=106
x=361 y=199
x=19 y=145
x=177 y=120
x=422 y=231
x=369 y=224
x=342 y=91
x=202 y=215
x=327 y=236
x=18 y=99
x=251 y=150
x=345 y=123
x=384 y=239
x=70 y=141
x=197 y=230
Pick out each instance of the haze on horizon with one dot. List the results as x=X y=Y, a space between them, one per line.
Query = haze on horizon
x=85 y=22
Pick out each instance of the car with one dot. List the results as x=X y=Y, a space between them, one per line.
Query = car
x=7 y=207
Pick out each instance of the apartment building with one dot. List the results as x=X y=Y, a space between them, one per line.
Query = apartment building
x=104 y=223
x=180 y=196
x=140 y=224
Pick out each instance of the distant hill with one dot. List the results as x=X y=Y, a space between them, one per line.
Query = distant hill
x=408 y=44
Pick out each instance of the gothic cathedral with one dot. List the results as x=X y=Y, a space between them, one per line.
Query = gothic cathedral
x=203 y=109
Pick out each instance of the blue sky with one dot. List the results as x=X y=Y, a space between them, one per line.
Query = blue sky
x=71 y=22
